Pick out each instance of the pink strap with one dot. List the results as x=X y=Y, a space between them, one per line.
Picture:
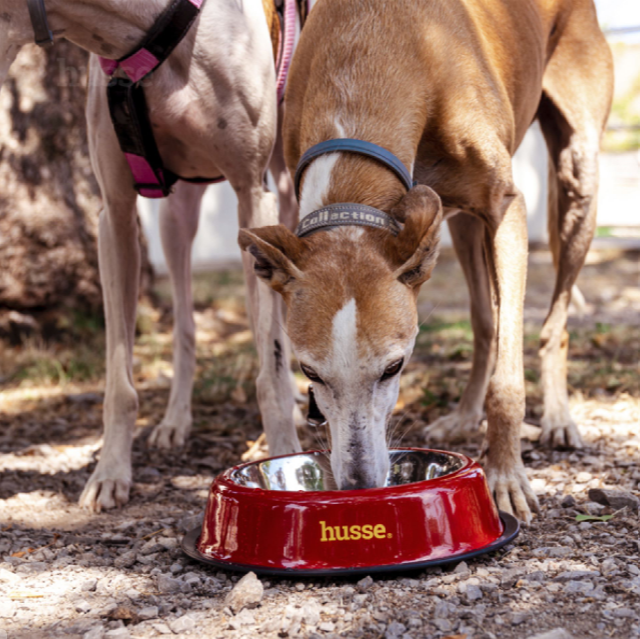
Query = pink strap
x=108 y=66
x=287 y=46
x=139 y=64
x=143 y=173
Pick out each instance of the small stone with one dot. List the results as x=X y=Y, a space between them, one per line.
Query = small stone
x=556 y=633
x=168 y=543
x=473 y=592
x=192 y=579
x=125 y=560
x=182 y=624
x=327 y=626
x=117 y=633
x=624 y=613
x=150 y=612
x=247 y=593
x=576 y=574
x=568 y=501
x=365 y=583
x=461 y=568
x=552 y=551
x=578 y=587
x=32 y=567
x=608 y=566
x=517 y=618
x=97 y=632
x=615 y=499
x=175 y=568
x=83 y=606
x=168 y=584
x=583 y=477
x=299 y=587
x=89 y=585
x=395 y=629
x=245 y=617
x=311 y=612
x=190 y=522
x=162 y=628
x=444 y=625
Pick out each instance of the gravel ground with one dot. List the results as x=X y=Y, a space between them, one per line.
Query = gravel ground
x=69 y=573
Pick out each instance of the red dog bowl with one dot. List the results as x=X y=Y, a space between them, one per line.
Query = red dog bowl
x=283 y=516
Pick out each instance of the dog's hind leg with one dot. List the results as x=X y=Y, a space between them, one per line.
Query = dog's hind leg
x=179 y=215
x=119 y=258
x=467 y=233
x=572 y=113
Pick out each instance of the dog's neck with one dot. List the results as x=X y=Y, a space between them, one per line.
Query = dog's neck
x=343 y=177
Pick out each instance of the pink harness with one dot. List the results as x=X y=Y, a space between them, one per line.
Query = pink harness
x=127 y=104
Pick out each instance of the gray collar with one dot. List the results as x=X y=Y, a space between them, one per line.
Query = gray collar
x=346 y=214
x=38 y=14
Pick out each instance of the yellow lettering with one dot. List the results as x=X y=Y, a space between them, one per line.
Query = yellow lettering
x=326 y=529
x=352 y=533
x=345 y=533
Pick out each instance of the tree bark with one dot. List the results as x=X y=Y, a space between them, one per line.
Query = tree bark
x=49 y=198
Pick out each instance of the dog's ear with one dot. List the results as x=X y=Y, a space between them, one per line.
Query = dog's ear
x=275 y=250
x=417 y=244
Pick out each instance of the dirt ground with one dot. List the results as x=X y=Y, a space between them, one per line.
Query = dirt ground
x=69 y=573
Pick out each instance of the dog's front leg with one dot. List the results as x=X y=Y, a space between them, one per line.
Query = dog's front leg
x=507 y=257
x=179 y=215
x=257 y=207
x=119 y=259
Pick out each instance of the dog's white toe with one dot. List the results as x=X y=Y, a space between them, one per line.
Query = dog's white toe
x=560 y=433
x=169 y=435
x=458 y=426
x=105 y=491
x=513 y=492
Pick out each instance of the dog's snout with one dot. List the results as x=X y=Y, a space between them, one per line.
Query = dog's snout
x=357 y=479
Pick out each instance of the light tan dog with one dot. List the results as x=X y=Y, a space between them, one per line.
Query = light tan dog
x=450 y=87
x=214 y=112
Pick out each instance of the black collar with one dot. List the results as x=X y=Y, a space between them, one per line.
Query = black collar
x=354 y=146
x=348 y=214
x=38 y=14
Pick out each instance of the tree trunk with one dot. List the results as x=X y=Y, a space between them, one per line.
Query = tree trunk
x=49 y=198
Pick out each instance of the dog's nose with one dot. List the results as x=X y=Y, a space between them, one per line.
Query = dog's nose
x=357 y=479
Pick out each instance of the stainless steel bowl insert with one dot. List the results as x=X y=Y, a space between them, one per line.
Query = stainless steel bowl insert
x=312 y=471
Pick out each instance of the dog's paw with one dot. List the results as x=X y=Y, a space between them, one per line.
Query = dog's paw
x=106 y=490
x=453 y=428
x=560 y=433
x=512 y=491
x=169 y=435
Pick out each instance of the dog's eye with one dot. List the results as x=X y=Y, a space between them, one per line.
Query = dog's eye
x=311 y=374
x=392 y=370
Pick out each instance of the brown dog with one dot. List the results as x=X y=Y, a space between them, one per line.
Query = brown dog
x=450 y=87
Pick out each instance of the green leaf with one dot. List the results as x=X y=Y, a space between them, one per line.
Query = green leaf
x=593 y=517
